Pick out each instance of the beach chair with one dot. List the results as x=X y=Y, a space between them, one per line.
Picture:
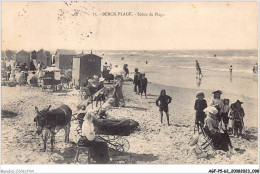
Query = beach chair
x=206 y=136
x=81 y=147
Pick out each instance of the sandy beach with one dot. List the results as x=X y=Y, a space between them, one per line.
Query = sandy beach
x=154 y=143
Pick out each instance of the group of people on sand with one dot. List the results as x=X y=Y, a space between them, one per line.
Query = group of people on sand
x=219 y=117
x=140 y=83
x=91 y=85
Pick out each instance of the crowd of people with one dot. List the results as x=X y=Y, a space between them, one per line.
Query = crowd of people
x=219 y=117
x=21 y=74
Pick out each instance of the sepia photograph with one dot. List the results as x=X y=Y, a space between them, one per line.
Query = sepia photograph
x=127 y=83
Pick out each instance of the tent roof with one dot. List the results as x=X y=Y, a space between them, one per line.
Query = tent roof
x=68 y=52
x=87 y=55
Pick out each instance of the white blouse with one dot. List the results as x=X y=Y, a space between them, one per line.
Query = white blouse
x=88 y=130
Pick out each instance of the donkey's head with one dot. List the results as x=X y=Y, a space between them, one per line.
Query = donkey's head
x=40 y=119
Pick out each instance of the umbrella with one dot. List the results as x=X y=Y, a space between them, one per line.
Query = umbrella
x=117 y=71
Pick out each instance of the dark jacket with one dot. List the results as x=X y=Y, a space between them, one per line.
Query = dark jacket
x=144 y=82
x=164 y=101
x=137 y=78
x=200 y=105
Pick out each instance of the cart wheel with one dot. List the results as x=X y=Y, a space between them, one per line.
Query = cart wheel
x=122 y=145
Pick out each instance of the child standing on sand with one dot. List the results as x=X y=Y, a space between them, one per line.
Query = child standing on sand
x=164 y=101
x=224 y=115
x=231 y=119
x=200 y=105
x=238 y=116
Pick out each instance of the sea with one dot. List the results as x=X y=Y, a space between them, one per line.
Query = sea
x=178 y=68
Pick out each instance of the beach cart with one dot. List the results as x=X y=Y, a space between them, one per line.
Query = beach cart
x=51 y=79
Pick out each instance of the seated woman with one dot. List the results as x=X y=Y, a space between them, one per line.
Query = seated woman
x=221 y=141
x=100 y=148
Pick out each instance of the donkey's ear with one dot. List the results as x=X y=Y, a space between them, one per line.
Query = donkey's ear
x=36 y=109
x=49 y=107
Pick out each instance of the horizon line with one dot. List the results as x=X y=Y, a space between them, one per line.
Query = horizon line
x=228 y=49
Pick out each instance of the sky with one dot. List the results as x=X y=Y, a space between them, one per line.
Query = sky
x=184 y=25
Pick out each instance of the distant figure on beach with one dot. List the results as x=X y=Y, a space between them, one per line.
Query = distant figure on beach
x=255 y=68
x=118 y=93
x=198 y=69
x=163 y=106
x=200 y=105
x=146 y=62
x=137 y=81
x=105 y=70
x=126 y=70
x=230 y=69
x=144 y=83
x=122 y=58
x=40 y=71
x=218 y=103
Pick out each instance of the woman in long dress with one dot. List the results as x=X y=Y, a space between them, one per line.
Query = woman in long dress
x=99 y=147
x=221 y=141
x=118 y=93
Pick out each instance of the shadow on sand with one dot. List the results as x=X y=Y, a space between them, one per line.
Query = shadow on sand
x=69 y=155
x=133 y=157
x=136 y=108
x=8 y=114
x=249 y=137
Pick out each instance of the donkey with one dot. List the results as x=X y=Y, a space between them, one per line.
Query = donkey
x=51 y=121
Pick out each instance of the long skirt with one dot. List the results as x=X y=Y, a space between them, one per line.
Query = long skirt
x=119 y=97
x=221 y=141
x=100 y=150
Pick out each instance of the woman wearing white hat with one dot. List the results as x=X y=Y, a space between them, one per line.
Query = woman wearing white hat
x=221 y=141
x=100 y=148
